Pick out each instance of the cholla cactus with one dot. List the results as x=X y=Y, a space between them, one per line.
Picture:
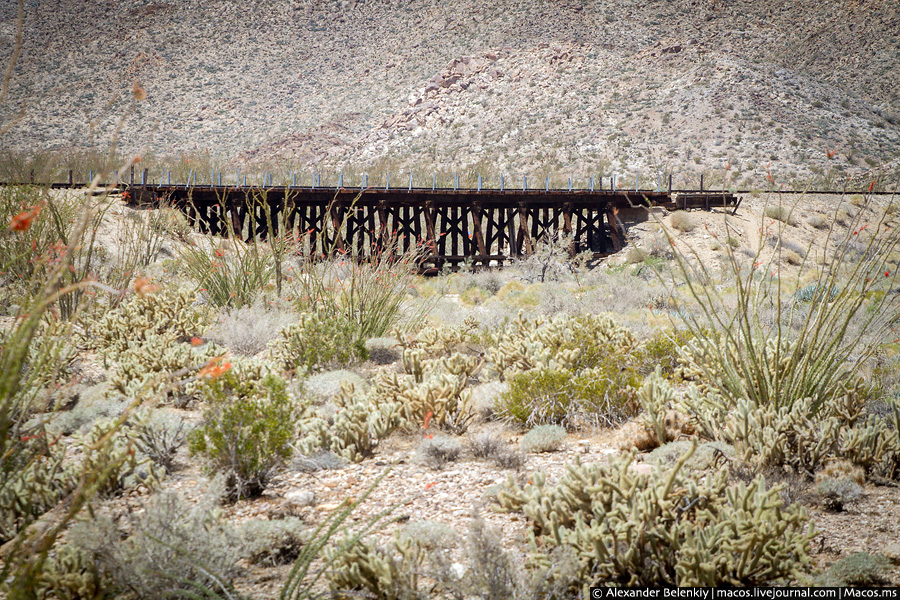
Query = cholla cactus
x=655 y=396
x=804 y=435
x=435 y=386
x=149 y=367
x=632 y=528
x=561 y=342
x=356 y=429
x=381 y=572
x=443 y=341
x=170 y=312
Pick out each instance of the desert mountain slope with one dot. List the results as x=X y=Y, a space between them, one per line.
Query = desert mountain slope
x=541 y=87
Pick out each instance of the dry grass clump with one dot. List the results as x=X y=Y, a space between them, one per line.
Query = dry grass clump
x=780 y=213
x=683 y=221
x=635 y=255
x=817 y=221
x=792 y=258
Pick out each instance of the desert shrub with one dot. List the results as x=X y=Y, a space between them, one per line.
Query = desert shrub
x=596 y=396
x=322 y=387
x=661 y=528
x=484 y=397
x=543 y=438
x=836 y=493
x=369 y=295
x=683 y=221
x=792 y=258
x=318 y=341
x=474 y=296
x=249 y=329
x=431 y=535
x=779 y=213
x=817 y=221
x=323 y=460
x=437 y=451
x=812 y=293
x=159 y=436
x=635 y=255
x=172 y=550
x=383 y=350
x=485 y=444
x=272 y=543
x=550 y=259
x=138 y=244
x=170 y=221
x=859 y=569
x=84 y=414
x=247 y=428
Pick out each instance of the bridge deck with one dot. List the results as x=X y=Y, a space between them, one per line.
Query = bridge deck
x=482 y=227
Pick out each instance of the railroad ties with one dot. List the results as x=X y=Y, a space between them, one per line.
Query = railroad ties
x=447 y=226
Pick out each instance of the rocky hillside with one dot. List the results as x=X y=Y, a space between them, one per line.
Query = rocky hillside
x=560 y=87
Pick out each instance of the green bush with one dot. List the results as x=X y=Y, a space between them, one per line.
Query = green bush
x=318 y=341
x=597 y=396
x=247 y=429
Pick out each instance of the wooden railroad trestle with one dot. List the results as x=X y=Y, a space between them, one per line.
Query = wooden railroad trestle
x=481 y=227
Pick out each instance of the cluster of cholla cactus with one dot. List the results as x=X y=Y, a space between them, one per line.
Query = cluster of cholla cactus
x=155 y=366
x=555 y=343
x=35 y=487
x=168 y=312
x=382 y=572
x=73 y=573
x=356 y=428
x=436 y=387
x=805 y=434
x=441 y=340
x=630 y=527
